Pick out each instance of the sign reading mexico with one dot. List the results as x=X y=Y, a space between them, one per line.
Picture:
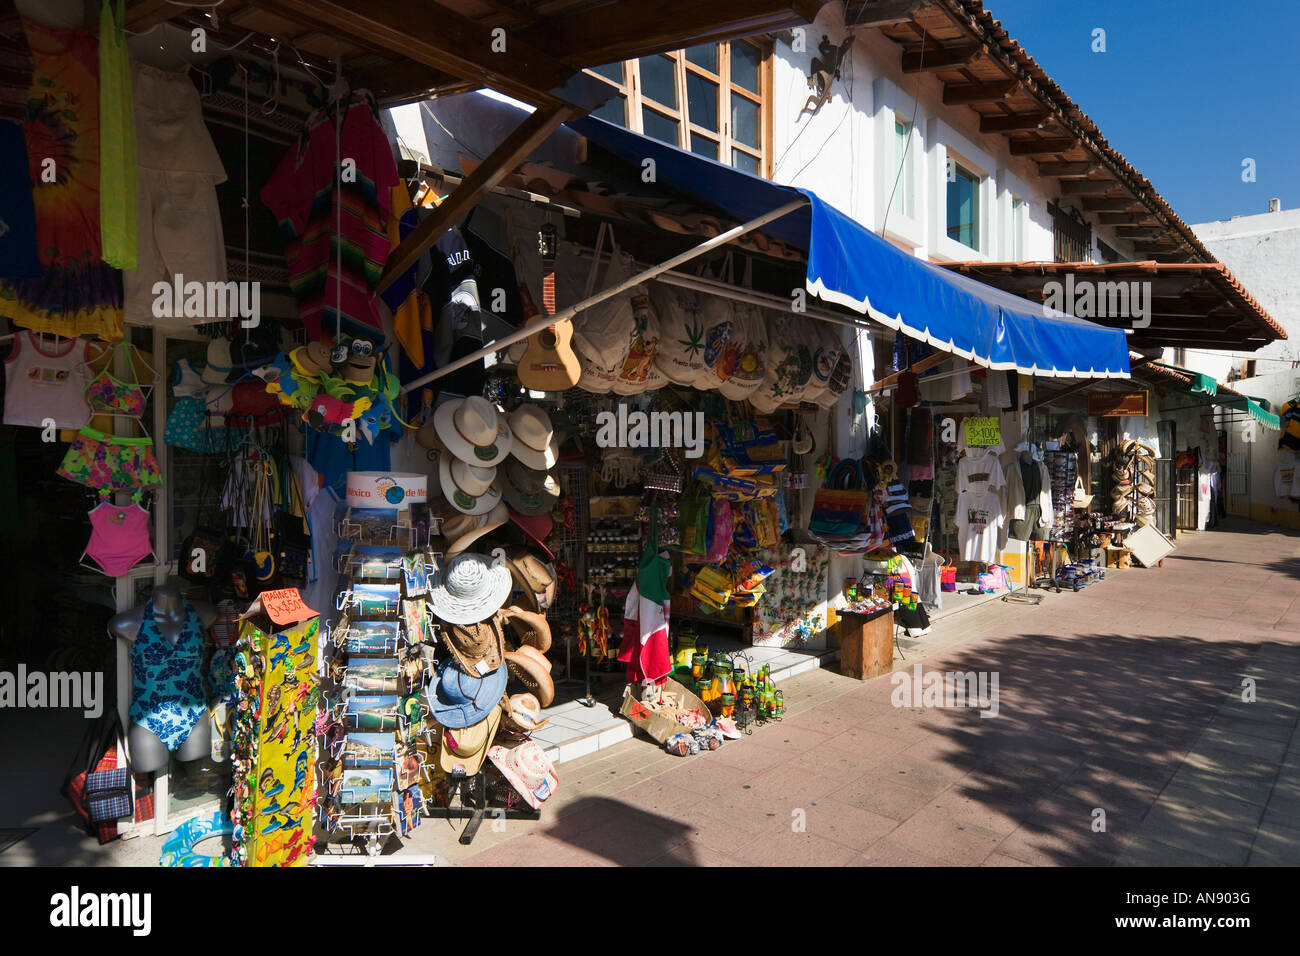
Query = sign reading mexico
x=385 y=489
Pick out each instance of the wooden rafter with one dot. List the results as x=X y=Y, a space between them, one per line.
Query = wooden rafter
x=931 y=59
x=1039 y=147
x=1012 y=122
x=960 y=94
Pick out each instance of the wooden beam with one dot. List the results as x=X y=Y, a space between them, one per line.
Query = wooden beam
x=590 y=37
x=922 y=365
x=961 y=94
x=881 y=13
x=446 y=41
x=1072 y=170
x=1012 y=122
x=512 y=151
x=918 y=61
x=1120 y=218
x=1087 y=187
x=1139 y=232
x=1109 y=203
x=1037 y=147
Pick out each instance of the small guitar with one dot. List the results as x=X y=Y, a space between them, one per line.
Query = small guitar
x=549 y=363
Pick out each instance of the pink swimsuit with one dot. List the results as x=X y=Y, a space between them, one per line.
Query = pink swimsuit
x=119 y=537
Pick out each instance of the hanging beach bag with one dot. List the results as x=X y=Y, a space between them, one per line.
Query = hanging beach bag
x=840 y=506
x=634 y=375
x=602 y=333
x=680 y=356
x=827 y=347
x=741 y=370
x=789 y=366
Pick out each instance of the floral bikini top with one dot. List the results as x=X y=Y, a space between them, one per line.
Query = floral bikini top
x=105 y=393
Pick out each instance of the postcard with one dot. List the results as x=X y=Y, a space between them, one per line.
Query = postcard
x=368 y=750
x=366 y=786
x=371 y=713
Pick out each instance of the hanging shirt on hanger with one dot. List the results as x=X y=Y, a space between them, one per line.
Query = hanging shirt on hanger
x=979 y=470
x=979 y=525
x=47 y=381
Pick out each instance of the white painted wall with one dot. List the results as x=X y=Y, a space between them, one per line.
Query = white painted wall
x=846 y=151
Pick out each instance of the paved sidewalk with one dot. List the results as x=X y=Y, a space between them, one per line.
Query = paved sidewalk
x=1122 y=737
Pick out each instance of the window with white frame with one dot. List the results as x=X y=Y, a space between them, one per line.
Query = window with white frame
x=904 y=166
x=963 y=202
x=1019 y=223
x=712 y=99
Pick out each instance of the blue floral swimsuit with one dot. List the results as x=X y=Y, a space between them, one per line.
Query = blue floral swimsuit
x=167 y=698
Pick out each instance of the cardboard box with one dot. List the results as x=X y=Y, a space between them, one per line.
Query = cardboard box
x=658 y=726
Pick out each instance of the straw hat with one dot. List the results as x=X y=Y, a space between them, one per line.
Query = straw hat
x=528 y=628
x=531 y=668
x=528 y=491
x=458 y=699
x=463 y=530
x=461 y=750
x=528 y=769
x=469 y=588
x=478 y=648
x=522 y=714
x=535 y=579
x=535 y=441
x=470 y=489
x=474 y=430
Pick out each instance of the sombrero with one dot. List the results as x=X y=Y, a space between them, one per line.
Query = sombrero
x=473 y=430
x=463 y=530
x=469 y=588
x=535 y=441
x=531 y=668
x=470 y=489
x=527 y=628
x=535 y=579
x=528 y=491
x=478 y=648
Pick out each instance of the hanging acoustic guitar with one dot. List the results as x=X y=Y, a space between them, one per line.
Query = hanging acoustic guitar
x=549 y=363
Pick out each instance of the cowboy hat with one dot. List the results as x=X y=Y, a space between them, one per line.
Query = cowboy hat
x=461 y=750
x=535 y=442
x=537 y=527
x=469 y=588
x=478 y=648
x=528 y=491
x=463 y=530
x=473 y=430
x=531 y=668
x=470 y=489
x=528 y=769
x=528 y=628
x=534 y=579
x=522 y=713
x=458 y=699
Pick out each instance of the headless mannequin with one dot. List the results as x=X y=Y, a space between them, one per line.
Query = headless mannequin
x=148 y=753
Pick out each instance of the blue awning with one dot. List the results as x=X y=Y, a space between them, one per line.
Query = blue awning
x=851 y=266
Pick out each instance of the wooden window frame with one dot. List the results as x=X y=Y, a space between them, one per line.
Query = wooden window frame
x=635 y=101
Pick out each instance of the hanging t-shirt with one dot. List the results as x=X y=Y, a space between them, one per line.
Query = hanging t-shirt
x=322 y=571
x=305 y=193
x=979 y=470
x=332 y=457
x=979 y=524
x=45 y=384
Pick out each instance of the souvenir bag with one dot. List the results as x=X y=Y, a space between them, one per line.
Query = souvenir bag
x=207 y=552
x=603 y=333
x=838 y=383
x=789 y=366
x=721 y=530
x=827 y=346
x=680 y=356
x=741 y=368
x=718 y=317
x=693 y=524
x=634 y=375
x=840 y=505
x=100 y=791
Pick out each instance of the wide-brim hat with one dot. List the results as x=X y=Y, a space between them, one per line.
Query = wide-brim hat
x=529 y=771
x=522 y=713
x=464 y=530
x=537 y=527
x=526 y=628
x=534 y=579
x=474 y=430
x=463 y=749
x=535 y=441
x=478 y=648
x=458 y=699
x=532 y=670
x=470 y=489
x=528 y=491
x=469 y=588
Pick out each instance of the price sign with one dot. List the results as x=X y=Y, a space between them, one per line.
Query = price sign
x=983 y=432
x=285 y=606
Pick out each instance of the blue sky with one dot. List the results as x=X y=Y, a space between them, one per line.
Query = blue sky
x=1186 y=90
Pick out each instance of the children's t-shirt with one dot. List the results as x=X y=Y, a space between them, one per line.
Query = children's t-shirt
x=979 y=523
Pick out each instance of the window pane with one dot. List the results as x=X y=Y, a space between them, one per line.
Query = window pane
x=1018 y=215
x=744 y=121
x=615 y=111
x=657 y=80
x=659 y=126
x=745 y=59
x=903 y=167
x=963 y=207
x=610 y=71
x=744 y=161
x=702 y=98
x=704 y=146
x=705 y=55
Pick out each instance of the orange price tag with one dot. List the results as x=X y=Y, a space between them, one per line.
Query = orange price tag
x=285 y=606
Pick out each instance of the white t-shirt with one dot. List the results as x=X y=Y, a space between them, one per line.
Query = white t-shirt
x=49 y=384
x=979 y=524
x=979 y=470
